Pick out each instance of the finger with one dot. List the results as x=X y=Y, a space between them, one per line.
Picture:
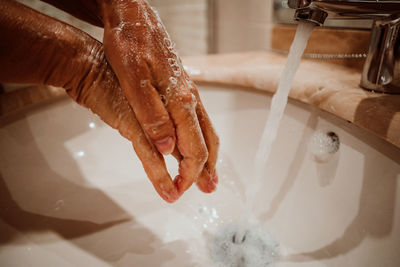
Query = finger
x=176 y=154
x=108 y=101
x=208 y=179
x=152 y=115
x=155 y=168
x=190 y=139
x=135 y=76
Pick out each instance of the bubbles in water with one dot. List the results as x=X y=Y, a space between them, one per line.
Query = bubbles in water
x=323 y=145
x=256 y=248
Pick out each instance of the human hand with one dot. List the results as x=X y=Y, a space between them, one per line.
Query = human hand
x=35 y=42
x=165 y=101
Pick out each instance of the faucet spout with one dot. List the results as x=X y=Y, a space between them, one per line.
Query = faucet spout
x=382 y=66
x=306 y=11
x=381 y=70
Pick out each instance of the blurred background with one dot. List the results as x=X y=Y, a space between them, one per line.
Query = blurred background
x=201 y=27
x=198 y=27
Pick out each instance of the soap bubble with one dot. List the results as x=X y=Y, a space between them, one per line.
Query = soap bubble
x=323 y=145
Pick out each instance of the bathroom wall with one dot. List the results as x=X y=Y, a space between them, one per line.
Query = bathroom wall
x=242 y=25
x=187 y=23
x=185 y=20
x=217 y=26
x=199 y=27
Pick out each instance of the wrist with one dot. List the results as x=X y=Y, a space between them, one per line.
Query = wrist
x=115 y=12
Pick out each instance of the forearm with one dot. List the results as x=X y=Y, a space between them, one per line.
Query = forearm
x=35 y=48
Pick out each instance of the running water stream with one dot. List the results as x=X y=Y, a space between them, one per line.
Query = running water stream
x=278 y=105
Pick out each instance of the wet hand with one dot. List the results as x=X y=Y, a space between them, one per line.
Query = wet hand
x=158 y=108
x=166 y=103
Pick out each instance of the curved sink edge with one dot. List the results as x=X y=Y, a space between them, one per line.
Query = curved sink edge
x=379 y=143
x=336 y=90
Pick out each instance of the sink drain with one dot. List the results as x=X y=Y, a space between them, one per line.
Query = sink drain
x=256 y=248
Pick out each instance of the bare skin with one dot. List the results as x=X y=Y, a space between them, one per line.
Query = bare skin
x=135 y=82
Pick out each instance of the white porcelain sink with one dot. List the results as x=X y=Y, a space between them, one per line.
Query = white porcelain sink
x=73 y=192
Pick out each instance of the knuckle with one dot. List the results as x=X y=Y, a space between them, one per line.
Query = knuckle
x=216 y=140
x=202 y=155
x=158 y=128
x=188 y=99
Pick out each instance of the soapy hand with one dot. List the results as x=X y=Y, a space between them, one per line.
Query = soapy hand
x=158 y=107
x=165 y=101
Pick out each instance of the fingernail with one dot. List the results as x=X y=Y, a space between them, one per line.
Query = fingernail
x=165 y=145
x=171 y=196
x=178 y=182
x=214 y=178
x=212 y=184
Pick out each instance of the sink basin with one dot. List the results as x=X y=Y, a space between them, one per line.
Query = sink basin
x=73 y=192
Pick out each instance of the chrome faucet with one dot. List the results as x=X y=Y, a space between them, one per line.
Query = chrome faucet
x=381 y=70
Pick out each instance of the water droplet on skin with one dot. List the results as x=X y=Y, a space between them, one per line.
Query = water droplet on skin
x=172 y=61
x=173 y=80
x=167 y=42
x=176 y=70
x=189 y=83
x=194 y=99
x=138 y=24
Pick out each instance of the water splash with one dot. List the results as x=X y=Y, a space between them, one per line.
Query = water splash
x=278 y=105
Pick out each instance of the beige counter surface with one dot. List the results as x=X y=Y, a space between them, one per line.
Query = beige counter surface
x=330 y=87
